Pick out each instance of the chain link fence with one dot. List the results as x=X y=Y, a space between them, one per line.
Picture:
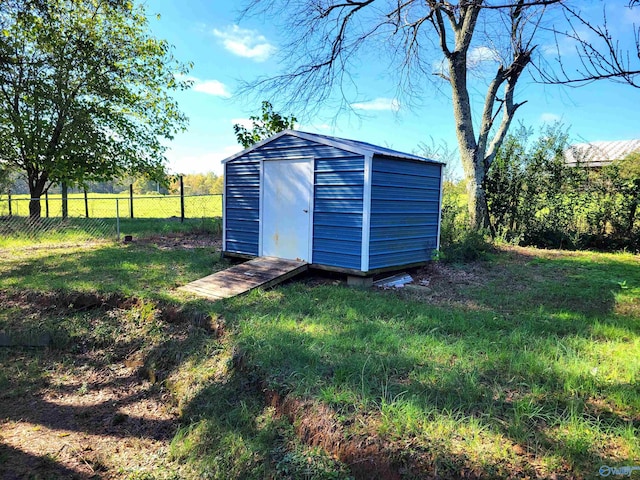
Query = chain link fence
x=99 y=216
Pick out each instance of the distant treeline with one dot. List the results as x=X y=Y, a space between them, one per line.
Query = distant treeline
x=194 y=184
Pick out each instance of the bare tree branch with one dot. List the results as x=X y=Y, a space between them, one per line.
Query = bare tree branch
x=328 y=37
x=601 y=58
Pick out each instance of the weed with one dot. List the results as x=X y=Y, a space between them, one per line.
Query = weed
x=83 y=389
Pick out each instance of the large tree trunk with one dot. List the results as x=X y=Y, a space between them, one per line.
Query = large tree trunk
x=478 y=208
x=477 y=198
x=37 y=183
x=34 y=206
x=472 y=152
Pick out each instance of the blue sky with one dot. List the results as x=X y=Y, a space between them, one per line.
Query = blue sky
x=226 y=50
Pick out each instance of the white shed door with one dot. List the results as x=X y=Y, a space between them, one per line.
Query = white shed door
x=287 y=208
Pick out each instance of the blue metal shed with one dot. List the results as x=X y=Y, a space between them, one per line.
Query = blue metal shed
x=337 y=204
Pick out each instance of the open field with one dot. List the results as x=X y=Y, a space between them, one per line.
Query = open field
x=110 y=206
x=21 y=232
x=525 y=365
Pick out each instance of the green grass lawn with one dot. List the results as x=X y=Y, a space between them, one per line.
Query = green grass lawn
x=525 y=365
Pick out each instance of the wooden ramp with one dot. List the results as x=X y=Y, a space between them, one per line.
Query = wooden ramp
x=262 y=272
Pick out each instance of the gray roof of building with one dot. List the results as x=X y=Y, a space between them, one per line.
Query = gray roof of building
x=353 y=146
x=599 y=154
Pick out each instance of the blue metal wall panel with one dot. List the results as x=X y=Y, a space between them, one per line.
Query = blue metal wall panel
x=337 y=220
x=404 y=231
x=242 y=198
x=338 y=196
x=405 y=198
x=353 y=178
x=401 y=219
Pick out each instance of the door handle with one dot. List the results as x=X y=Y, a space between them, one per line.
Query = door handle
x=305 y=210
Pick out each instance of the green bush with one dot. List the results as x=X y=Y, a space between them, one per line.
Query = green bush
x=535 y=198
x=455 y=215
x=458 y=243
x=468 y=246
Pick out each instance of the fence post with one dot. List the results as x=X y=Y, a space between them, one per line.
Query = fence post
x=131 y=200
x=181 y=199
x=86 y=204
x=118 y=218
x=65 y=201
x=46 y=204
x=10 y=210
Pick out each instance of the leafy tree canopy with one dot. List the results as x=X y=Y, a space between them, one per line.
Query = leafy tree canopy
x=263 y=126
x=84 y=92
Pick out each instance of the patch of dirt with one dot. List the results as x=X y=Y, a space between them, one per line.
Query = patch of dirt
x=86 y=411
x=184 y=241
x=88 y=421
x=438 y=272
x=441 y=284
x=370 y=456
x=85 y=422
x=317 y=426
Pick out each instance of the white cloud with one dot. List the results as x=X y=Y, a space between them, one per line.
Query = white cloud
x=312 y=127
x=565 y=45
x=380 y=103
x=243 y=122
x=479 y=55
x=548 y=117
x=245 y=43
x=211 y=87
x=202 y=162
x=321 y=128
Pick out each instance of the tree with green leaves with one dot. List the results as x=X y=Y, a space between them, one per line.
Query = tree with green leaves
x=263 y=126
x=84 y=93
x=532 y=193
x=5 y=179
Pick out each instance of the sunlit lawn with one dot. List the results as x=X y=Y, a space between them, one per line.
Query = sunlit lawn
x=530 y=369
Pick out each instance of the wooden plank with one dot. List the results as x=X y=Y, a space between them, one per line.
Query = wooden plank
x=262 y=272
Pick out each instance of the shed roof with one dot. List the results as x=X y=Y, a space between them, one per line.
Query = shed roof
x=599 y=154
x=352 y=146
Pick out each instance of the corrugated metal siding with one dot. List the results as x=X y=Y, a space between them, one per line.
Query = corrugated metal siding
x=405 y=199
x=337 y=220
x=242 y=204
x=338 y=192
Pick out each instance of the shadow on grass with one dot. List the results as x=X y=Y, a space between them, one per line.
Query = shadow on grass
x=126 y=373
x=128 y=269
x=578 y=283
x=17 y=465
